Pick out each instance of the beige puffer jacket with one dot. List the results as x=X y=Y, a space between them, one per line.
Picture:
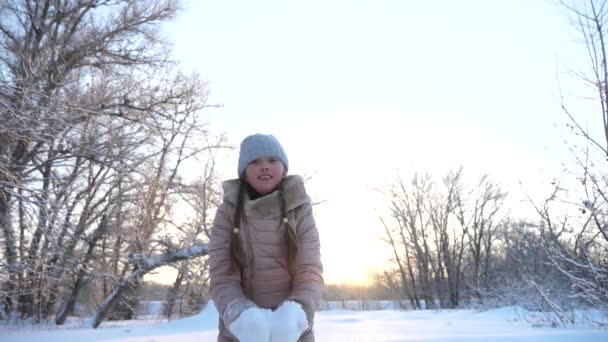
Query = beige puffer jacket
x=263 y=278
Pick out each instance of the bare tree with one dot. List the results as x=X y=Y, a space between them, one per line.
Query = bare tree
x=449 y=240
x=442 y=240
x=426 y=254
x=576 y=239
x=96 y=122
x=408 y=209
x=406 y=273
x=480 y=223
x=191 y=285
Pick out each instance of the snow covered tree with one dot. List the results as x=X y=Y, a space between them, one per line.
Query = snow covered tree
x=96 y=122
x=575 y=216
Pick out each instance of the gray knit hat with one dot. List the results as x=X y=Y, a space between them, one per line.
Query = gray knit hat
x=260 y=145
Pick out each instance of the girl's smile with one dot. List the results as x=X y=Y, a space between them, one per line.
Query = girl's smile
x=264 y=174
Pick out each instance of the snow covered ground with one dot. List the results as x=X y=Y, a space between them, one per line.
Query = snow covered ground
x=506 y=324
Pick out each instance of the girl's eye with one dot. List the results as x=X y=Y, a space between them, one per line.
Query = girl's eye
x=272 y=160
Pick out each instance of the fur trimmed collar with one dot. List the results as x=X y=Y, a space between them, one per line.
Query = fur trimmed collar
x=268 y=206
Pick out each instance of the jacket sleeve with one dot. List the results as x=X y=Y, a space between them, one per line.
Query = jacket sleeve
x=308 y=276
x=226 y=290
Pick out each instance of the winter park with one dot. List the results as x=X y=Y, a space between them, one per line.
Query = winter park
x=265 y=171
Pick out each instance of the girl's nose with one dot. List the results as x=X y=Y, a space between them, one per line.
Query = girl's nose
x=265 y=168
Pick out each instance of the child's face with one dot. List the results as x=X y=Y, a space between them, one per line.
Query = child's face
x=264 y=174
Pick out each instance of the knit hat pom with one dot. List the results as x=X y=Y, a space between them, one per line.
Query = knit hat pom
x=260 y=145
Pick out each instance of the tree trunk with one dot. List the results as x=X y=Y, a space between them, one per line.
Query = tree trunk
x=10 y=252
x=68 y=306
x=143 y=266
x=174 y=291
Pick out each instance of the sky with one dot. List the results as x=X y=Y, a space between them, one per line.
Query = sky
x=359 y=92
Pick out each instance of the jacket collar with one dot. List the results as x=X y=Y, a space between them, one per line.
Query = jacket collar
x=268 y=206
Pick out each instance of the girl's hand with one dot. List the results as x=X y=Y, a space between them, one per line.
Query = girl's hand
x=288 y=322
x=253 y=325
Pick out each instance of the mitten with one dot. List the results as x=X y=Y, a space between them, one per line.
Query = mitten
x=253 y=325
x=288 y=322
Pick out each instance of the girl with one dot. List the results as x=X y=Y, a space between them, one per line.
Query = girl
x=266 y=272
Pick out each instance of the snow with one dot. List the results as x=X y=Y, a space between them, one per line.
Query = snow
x=504 y=324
